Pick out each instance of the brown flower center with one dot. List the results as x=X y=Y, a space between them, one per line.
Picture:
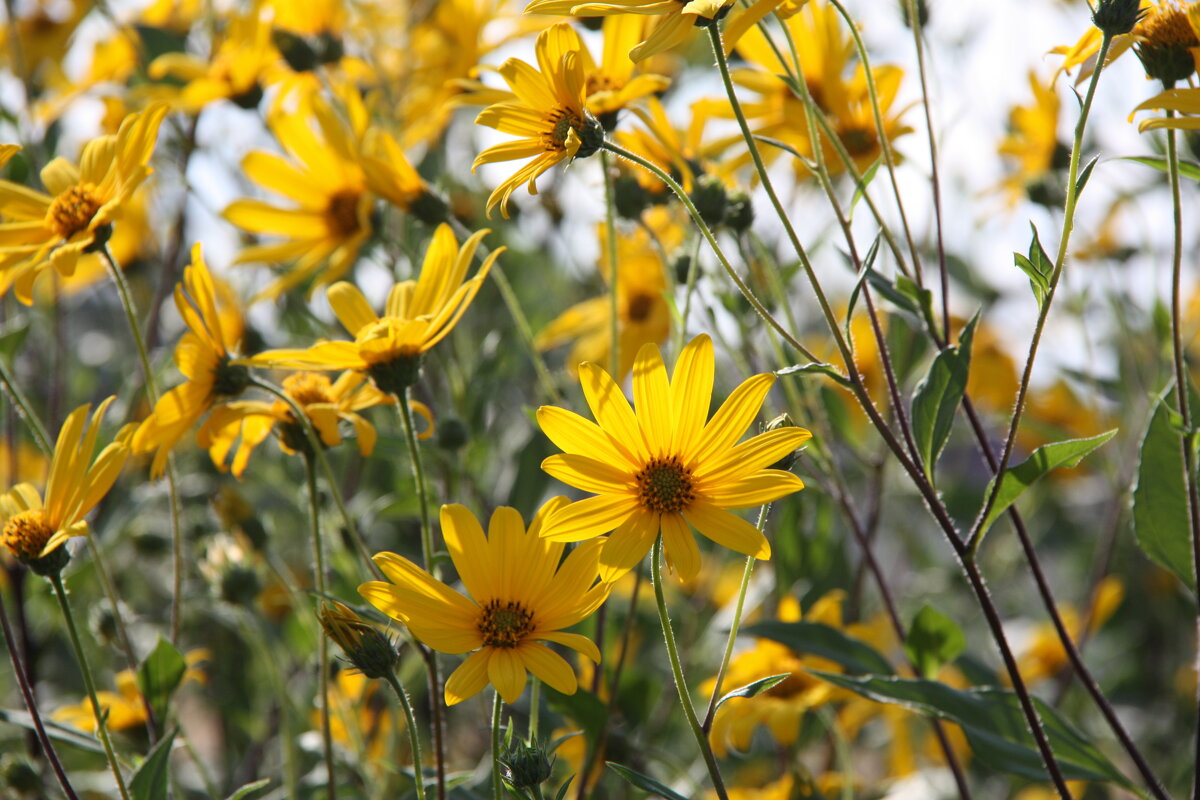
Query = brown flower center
x=858 y=140
x=342 y=213
x=1167 y=26
x=639 y=308
x=26 y=533
x=307 y=388
x=562 y=120
x=72 y=211
x=599 y=82
x=505 y=624
x=664 y=486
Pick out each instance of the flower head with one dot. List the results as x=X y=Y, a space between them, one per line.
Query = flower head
x=519 y=596
x=34 y=529
x=676 y=18
x=366 y=647
x=669 y=467
x=204 y=356
x=418 y=315
x=56 y=229
x=549 y=112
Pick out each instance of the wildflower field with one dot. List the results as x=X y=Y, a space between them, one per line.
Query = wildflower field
x=565 y=399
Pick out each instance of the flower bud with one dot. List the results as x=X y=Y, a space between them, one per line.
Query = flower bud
x=526 y=765
x=710 y=199
x=366 y=647
x=1117 y=17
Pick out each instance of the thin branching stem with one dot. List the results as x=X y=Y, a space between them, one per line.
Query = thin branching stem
x=318 y=556
x=414 y=735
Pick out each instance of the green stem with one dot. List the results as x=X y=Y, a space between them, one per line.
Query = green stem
x=318 y=555
x=535 y=697
x=689 y=291
x=662 y=175
x=614 y=310
x=131 y=317
x=318 y=450
x=101 y=722
x=685 y=698
x=747 y=571
x=977 y=530
x=24 y=409
x=418 y=468
x=414 y=737
x=497 y=715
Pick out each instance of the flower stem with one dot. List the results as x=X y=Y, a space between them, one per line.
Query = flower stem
x=610 y=230
x=747 y=571
x=685 y=699
x=101 y=722
x=414 y=737
x=418 y=469
x=31 y=705
x=535 y=699
x=24 y=409
x=318 y=555
x=497 y=716
x=135 y=329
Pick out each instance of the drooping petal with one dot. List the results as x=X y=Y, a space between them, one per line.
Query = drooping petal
x=549 y=666
x=628 y=545
x=575 y=641
x=506 y=673
x=469 y=679
x=727 y=530
x=680 y=546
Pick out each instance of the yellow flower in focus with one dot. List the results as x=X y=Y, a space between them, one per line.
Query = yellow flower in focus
x=1043 y=656
x=674 y=23
x=56 y=229
x=549 y=112
x=203 y=355
x=329 y=217
x=125 y=708
x=247 y=423
x=643 y=315
x=33 y=529
x=669 y=467
x=520 y=596
x=418 y=314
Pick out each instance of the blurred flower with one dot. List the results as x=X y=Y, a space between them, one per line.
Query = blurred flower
x=361 y=717
x=776 y=790
x=520 y=595
x=667 y=468
x=418 y=315
x=678 y=152
x=1167 y=43
x=549 y=113
x=1031 y=145
x=231 y=570
x=56 y=229
x=325 y=403
x=1043 y=655
x=323 y=178
x=643 y=315
x=390 y=175
x=125 y=709
x=44 y=28
x=204 y=356
x=33 y=530
x=675 y=18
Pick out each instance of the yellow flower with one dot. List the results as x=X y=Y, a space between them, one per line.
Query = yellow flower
x=361 y=717
x=643 y=314
x=330 y=219
x=520 y=595
x=679 y=152
x=204 y=356
x=776 y=790
x=33 y=529
x=418 y=315
x=1032 y=141
x=1043 y=655
x=666 y=468
x=325 y=403
x=676 y=18
x=125 y=708
x=389 y=173
x=549 y=113
x=56 y=229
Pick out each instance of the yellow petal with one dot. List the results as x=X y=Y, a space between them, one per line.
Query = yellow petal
x=469 y=679
x=749 y=456
x=468 y=550
x=612 y=412
x=549 y=666
x=588 y=474
x=680 y=546
x=727 y=530
x=574 y=434
x=506 y=673
x=628 y=545
x=731 y=420
x=652 y=398
x=764 y=486
x=588 y=518
x=691 y=391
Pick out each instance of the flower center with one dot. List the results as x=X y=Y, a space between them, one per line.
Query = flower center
x=73 y=210
x=599 y=82
x=858 y=140
x=561 y=120
x=505 y=624
x=1167 y=26
x=639 y=307
x=307 y=388
x=26 y=533
x=664 y=486
x=229 y=380
x=342 y=213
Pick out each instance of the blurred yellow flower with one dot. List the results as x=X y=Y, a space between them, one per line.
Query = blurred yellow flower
x=1031 y=144
x=520 y=595
x=203 y=355
x=1043 y=655
x=33 y=529
x=362 y=716
x=674 y=23
x=57 y=229
x=125 y=708
x=669 y=467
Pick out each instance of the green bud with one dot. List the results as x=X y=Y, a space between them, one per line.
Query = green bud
x=526 y=765
x=629 y=197
x=710 y=199
x=452 y=433
x=739 y=214
x=1117 y=17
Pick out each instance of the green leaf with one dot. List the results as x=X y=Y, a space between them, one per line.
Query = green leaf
x=809 y=164
x=938 y=395
x=867 y=265
x=994 y=724
x=249 y=788
x=12 y=336
x=1044 y=459
x=55 y=730
x=1084 y=175
x=150 y=780
x=923 y=298
x=827 y=370
x=752 y=689
x=860 y=188
x=643 y=782
x=1037 y=281
x=159 y=676
x=815 y=638
x=1037 y=254
x=562 y=790
x=1187 y=169
x=933 y=640
x=1160 y=515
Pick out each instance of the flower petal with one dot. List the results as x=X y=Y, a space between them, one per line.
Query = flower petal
x=588 y=474
x=468 y=550
x=683 y=554
x=549 y=666
x=760 y=488
x=731 y=420
x=506 y=673
x=652 y=398
x=727 y=530
x=750 y=456
x=587 y=518
x=612 y=412
x=469 y=679
x=628 y=545
x=691 y=391
x=572 y=433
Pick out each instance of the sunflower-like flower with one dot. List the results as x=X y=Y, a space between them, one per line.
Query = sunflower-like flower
x=33 y=529
x=247 y=423
x=56 y=229
x=125 y=708
x=204 y=356
x=1032 y=146
x=418 y=315
x=520 y=595
x=549 y=111
x=669 y=466
x=676 y=18
x=329 y=219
